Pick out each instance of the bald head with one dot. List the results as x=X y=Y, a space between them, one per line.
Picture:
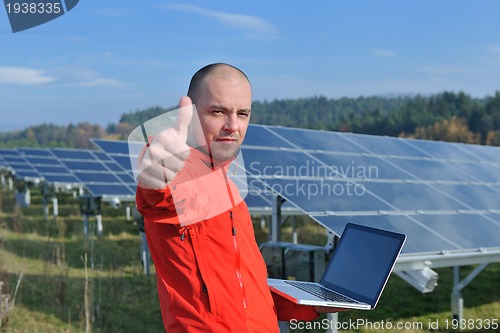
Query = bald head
x=220 y=70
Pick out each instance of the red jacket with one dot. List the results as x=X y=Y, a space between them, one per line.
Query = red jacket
x=211 y=275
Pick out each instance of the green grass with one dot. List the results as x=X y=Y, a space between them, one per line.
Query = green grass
x=50 y=254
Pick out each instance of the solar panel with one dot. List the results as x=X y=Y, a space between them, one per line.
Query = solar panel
x=359 y=166
x=27 y=175
x=442 y=150
x=8 y=152
x=312 y=140
x=428 y=241
x=417 y=187
x=425 y=169
x=61 y=179
x=42 y=160
x=35 y=152
x=3 y=163
x=260 y=136
x=100 y=175
x=444 y=196
x=102 y=156
x=485 y=153
x=113 y=166
x=118 y=151
x=123 y=162
x=114 y=147
x=383 y=145
x=417 y=197
x=20 y=167
x=259 y=199
x=57 y=169
x=49 y=167
x=73 y=154
x=474 y=197
x=92 y=177
x=111 y=190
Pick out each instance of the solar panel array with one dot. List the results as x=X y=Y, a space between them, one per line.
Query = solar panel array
x=48 y=168
x=94 y=170
x=444 y=196
x=15 y=161
x=258 y=200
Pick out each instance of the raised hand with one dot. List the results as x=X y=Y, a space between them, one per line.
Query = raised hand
x=167 y=152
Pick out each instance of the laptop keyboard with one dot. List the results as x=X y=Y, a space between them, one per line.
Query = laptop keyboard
x=321 y=292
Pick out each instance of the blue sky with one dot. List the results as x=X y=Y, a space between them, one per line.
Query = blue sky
x=108 y=57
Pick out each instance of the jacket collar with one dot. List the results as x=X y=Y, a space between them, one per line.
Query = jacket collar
x=207 y=159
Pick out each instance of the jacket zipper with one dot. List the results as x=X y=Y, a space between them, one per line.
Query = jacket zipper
x=238 y=260
x=235 y=241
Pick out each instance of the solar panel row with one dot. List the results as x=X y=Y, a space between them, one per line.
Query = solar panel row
x=447 y=194
x=444 y=196
x=94 y=170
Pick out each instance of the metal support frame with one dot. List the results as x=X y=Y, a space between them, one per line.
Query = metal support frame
x=90 y=207
x=276 y=219
x=144 y=252
x=333 y=318
x=295 y=236
x=481 y=257
x=23 y=194
x=128 y=212
x=99 y=224
x=457 y=301
x=276 y=237
x=447 y=259
x=55 y=206
x=49 y=192
x=86 y=226
x=45 y=191
x=263 y=222
x=330 y=242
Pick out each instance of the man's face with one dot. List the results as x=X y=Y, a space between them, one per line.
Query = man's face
x=224 y=106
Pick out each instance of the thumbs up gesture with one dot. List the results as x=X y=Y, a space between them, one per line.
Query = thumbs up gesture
x=167 y=152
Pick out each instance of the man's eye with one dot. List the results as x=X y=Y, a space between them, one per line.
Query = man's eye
x=243 y=115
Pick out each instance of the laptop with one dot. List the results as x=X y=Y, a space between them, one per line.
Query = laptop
x=356 y=273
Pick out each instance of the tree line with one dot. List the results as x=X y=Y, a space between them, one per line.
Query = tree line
x=448 y=116
x=50 y=135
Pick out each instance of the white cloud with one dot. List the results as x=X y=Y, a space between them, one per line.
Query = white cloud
x=103 y=82
x=23 y=76
x=254 y=27
x=382 y=53
x=85 y=77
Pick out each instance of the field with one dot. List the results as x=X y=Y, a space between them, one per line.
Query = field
x=73 y=284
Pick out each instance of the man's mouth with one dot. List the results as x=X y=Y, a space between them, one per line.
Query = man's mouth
x=226 y=140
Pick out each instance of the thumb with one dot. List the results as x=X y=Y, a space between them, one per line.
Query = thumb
x=184 y=116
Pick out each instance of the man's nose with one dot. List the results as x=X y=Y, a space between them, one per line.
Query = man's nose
x=231 y=124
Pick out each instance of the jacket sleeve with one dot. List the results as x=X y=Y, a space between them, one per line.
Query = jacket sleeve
x=287 y=310
x=156 y=205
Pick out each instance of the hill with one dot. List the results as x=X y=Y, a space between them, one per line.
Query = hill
x=447 y=116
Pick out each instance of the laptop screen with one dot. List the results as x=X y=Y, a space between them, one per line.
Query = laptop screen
x=362 y=262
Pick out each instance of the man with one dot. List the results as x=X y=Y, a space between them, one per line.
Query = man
x=210 y=273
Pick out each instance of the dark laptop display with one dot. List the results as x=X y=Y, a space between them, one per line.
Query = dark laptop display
x=358 y=269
